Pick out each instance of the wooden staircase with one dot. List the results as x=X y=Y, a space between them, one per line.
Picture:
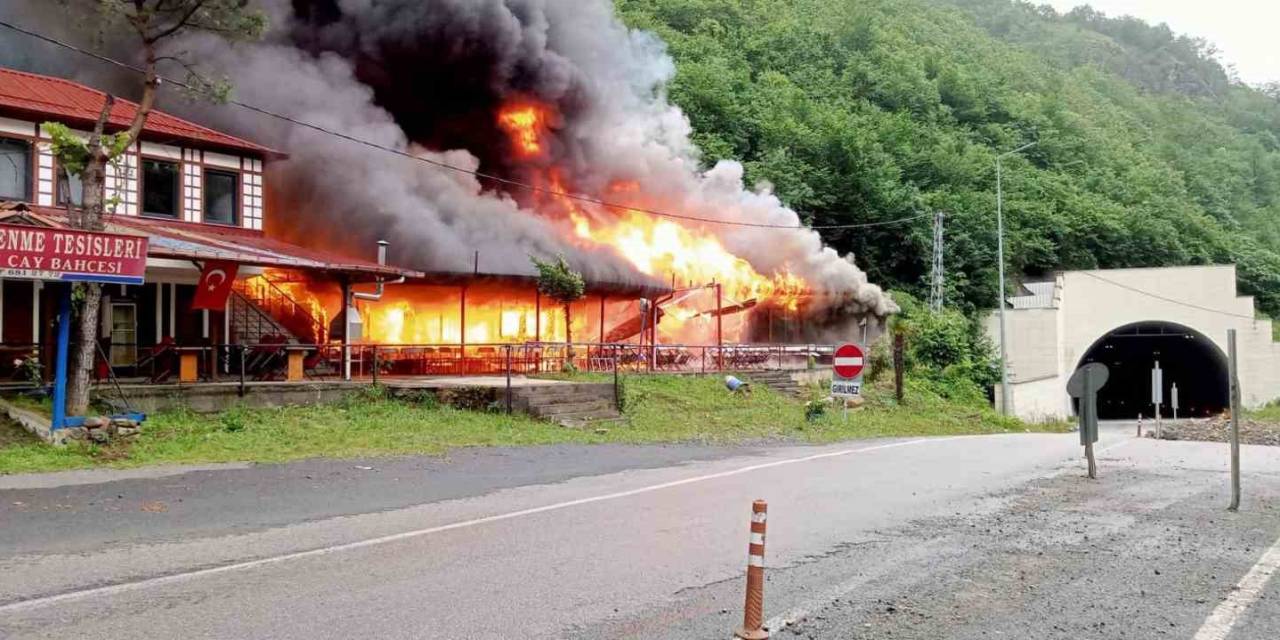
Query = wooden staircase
x=576 y=405
x=251 y=323
x=287 y=317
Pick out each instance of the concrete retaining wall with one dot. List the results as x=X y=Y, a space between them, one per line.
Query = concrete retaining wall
x=215 y=397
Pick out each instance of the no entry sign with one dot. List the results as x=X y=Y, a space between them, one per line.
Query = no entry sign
x=847 y=365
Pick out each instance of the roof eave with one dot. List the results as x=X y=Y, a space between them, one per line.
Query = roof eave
x=265 y=153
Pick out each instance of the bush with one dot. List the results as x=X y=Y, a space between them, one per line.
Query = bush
x=233 y=420
x=814 y=410
x=947 y=347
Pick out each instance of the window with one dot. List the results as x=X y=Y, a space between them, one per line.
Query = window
x=221 y=201
x=160 y=188
x=15 y=170
x=70 y=188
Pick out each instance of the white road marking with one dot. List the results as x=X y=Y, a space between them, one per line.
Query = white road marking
x=848 y=362
x=1110 y=447
x=1219 y=623
x=123 y=587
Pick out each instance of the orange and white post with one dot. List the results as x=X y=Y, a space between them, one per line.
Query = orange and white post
x=753 y=614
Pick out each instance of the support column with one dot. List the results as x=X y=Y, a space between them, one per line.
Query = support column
x=173 y=310
x=537 y=316
x=159 y=312
x=347 y=304
x=462 y=323
x=60 y=362
x=602 y=318
x=719 y=326
x=36 y=286
x=462 y=331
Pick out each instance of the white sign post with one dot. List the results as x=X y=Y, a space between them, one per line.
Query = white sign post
x=1157 y=396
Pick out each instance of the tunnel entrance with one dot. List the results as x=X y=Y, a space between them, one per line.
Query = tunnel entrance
x=1188 y=358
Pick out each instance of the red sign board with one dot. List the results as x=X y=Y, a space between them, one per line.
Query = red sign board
x=46 y=253
x=848 y=361
x=215 y=285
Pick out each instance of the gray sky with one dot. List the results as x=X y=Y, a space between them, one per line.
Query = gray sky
x=1243 y=30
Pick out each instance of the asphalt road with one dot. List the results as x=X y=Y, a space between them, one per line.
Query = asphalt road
x=942 y=538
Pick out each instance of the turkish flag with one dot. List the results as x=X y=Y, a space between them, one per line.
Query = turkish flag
x=215 y=285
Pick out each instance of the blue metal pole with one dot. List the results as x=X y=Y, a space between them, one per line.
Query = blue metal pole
x=60 y=366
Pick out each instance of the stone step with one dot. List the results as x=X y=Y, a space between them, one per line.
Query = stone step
x=564 y=393
x=560 y=408
x=562 y=389
x=579 y=421
x=543 y=399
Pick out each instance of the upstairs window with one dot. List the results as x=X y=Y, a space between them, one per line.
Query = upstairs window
x=160 y=188
x=15 y=170
x=70 y=189
x=221 y=197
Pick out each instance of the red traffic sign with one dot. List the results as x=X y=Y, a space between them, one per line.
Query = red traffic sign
x=849 y=361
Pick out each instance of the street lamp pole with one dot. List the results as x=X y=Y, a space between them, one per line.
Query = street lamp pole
x=1004 y=348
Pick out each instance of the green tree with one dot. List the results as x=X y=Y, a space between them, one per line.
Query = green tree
x=862 y=111
x=153 y=27
x=559 y=282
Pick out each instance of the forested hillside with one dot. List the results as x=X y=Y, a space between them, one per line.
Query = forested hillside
x=866 y=110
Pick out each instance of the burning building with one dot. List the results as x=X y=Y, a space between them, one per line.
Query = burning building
x=555 y=119
x=493 y=131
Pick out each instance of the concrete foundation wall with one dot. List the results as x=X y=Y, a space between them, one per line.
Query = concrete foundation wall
x=211 y=398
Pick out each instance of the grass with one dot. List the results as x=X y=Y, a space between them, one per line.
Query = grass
x=659 y=408
x=1268 y=413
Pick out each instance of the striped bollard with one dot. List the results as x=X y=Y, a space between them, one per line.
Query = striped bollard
x=753 y=614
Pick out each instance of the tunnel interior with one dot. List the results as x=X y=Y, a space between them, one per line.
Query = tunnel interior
x=1189 y=360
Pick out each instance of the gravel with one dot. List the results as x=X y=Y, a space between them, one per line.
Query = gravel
x=1216 y=430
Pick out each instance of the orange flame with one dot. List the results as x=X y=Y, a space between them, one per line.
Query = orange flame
x=526 y=123
x=655 y=246
x=663 y=248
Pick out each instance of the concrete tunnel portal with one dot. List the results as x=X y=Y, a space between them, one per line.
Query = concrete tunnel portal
x=1188 y=359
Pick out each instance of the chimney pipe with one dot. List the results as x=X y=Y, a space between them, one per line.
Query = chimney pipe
x=382 y=260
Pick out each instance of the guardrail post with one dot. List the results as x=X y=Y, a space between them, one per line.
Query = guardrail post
x=753 y=611
x=1235 y=420
x=508 y=349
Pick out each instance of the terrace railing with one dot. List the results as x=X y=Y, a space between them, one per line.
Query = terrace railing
x=269 y=361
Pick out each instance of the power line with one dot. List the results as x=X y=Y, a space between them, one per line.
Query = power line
x=1166 y=299
x=444 y=165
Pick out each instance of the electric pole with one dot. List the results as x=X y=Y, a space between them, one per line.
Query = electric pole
x=938 y=277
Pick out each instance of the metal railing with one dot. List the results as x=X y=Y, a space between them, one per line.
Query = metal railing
x=287 y=312
x=269 y=361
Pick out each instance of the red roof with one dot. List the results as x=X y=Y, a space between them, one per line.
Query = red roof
x=67 y=100
x=188 y=241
